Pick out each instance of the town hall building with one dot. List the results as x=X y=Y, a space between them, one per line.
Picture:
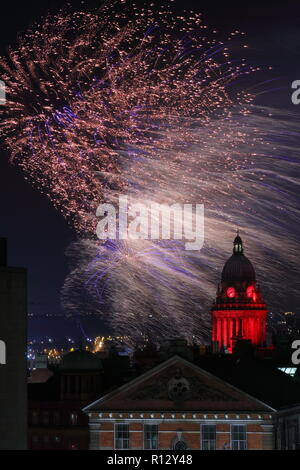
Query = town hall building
x=239 y=311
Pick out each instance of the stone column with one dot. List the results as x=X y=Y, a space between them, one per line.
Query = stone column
x=225 y=332
x=230 y=331
x=219 y=333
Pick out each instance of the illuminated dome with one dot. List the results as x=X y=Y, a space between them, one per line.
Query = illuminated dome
x=238 y=267
x=81 y=360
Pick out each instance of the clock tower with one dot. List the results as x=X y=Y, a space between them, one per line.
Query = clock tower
x=239 y=311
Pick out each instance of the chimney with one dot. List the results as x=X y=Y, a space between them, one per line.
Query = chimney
x=3 y=252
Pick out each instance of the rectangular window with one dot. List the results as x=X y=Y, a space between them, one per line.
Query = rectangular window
x=151 y=436
x=34 y=417
x=292 y=434
x=45 y=418
x=56 y=418
x=208 y=437
x=73 y=419
x=122 y=436
x=238 y=437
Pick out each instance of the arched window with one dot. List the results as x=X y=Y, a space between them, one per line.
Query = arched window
x=180 y=445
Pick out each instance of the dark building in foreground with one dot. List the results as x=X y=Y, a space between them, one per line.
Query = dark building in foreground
x=177 y=405
x=56 y=421
x=56 y=398
x=212 y=402
x=288 y=428
x=176 y=399
x=13 y=332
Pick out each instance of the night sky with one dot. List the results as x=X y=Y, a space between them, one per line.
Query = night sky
x=38 y=235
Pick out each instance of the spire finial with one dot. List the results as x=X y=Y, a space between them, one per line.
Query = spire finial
x=238 y=244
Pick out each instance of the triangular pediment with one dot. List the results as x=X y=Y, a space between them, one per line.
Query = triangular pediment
x=177 y=384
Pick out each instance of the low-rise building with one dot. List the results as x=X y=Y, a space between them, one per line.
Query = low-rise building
x=178 y=405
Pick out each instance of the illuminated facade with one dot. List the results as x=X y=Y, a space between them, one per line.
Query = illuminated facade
x=179 y=406
x=239 y=311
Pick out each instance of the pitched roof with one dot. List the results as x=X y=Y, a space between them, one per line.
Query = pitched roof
x=177 y=384
x=261 y=379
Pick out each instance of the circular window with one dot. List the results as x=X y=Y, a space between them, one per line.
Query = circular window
x=178 y=388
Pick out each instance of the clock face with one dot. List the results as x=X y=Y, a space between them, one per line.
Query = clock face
x=250 y=292
x=230 y=292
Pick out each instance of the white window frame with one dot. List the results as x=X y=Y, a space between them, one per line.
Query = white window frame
x=144 y=436
x=115 y=436
x=234 y=440
x=201 y=434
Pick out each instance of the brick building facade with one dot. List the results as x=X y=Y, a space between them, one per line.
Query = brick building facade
x=177 y=405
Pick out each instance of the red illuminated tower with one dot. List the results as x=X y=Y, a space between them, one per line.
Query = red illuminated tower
x=239 y=311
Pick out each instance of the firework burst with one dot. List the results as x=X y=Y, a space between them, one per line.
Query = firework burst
x=157 y=288
x=98 y=103
x=141 y=101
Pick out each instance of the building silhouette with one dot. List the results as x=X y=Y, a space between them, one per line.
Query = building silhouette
x=13 y=333
x=56 y=420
